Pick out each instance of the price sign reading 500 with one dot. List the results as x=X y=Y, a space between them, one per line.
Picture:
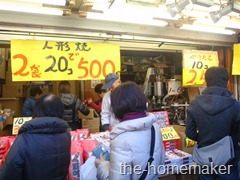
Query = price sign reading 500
x=49 y=60
x=195 y=64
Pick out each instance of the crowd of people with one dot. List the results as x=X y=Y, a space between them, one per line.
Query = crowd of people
x=42 y=148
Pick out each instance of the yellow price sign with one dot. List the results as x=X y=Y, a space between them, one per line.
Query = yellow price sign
x=195 y=64
x=169 y=133
x=236 y=59
x=33 y=60
x=18 y=122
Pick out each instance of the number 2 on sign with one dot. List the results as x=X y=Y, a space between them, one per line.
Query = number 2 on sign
x=195 y=75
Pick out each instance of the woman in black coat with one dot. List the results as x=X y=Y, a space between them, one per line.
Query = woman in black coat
x=41 y=150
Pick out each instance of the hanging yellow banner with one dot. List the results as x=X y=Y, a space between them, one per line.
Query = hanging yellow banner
x=195 y=63
x=33 y=60
x=236 y=59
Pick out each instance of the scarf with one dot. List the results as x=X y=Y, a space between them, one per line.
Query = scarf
x=133 y=115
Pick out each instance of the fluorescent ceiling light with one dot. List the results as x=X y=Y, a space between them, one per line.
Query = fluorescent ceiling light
x=177 y=7
x=224 y=22
x=48 y=11
x=100 y=5
x=147 y=2
x=206 y=3
x=51 y=2
x=115 y=13
x=126 y=19
x=203 y=28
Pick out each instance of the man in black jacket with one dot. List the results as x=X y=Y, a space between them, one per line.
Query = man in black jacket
x=210 y=117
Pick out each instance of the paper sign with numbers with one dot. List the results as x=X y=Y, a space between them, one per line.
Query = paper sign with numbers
x=18 y=122
x=195 y=64
x=169 y=133
x=35 y=60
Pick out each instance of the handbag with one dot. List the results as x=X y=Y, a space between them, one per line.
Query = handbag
x=218 y=153
x=150 y=160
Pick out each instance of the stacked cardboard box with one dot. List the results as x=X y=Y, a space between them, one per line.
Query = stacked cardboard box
x=2 y=63
x=182 y=143
x=91 y=121
x=11 y=88
x=176 y=161
x=13 y=93
x=14 y=104
x=2 y=125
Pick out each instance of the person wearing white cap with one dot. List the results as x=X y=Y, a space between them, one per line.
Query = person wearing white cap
x=112 y=81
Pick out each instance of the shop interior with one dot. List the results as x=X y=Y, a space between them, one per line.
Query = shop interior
x=159 y=74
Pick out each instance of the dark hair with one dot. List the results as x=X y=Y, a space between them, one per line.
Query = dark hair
x=98 y=88
x=35 y=90
x=64 y=87
x=216 y=76
x=127 y=98
x=48 y=105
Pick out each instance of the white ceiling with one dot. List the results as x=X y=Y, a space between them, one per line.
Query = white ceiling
x=130 y=35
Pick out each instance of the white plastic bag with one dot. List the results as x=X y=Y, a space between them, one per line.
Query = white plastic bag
x=89 y=170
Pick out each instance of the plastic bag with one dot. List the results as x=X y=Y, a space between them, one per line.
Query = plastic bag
x=190 y=142
x=89 y=170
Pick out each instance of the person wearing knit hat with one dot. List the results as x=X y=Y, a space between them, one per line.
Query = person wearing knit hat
x=112 y=81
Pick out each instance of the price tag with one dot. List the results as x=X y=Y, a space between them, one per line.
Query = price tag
x=34 y=60
x=195 y=64
x=18 y=122
x=169 y=133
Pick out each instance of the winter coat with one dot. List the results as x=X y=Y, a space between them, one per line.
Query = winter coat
x=71 y=104
x=212 y=114
x=130 y=145
x=41 y=151
x=28 y=107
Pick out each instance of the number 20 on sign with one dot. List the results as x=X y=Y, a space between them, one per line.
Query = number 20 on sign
x=195 y=64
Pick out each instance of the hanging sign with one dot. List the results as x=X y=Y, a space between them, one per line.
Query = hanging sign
x=18 y=122
x=33 y=60
x=236 y=59
x=195 y=64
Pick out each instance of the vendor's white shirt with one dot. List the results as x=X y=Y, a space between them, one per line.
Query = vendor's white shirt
x=107 y=116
